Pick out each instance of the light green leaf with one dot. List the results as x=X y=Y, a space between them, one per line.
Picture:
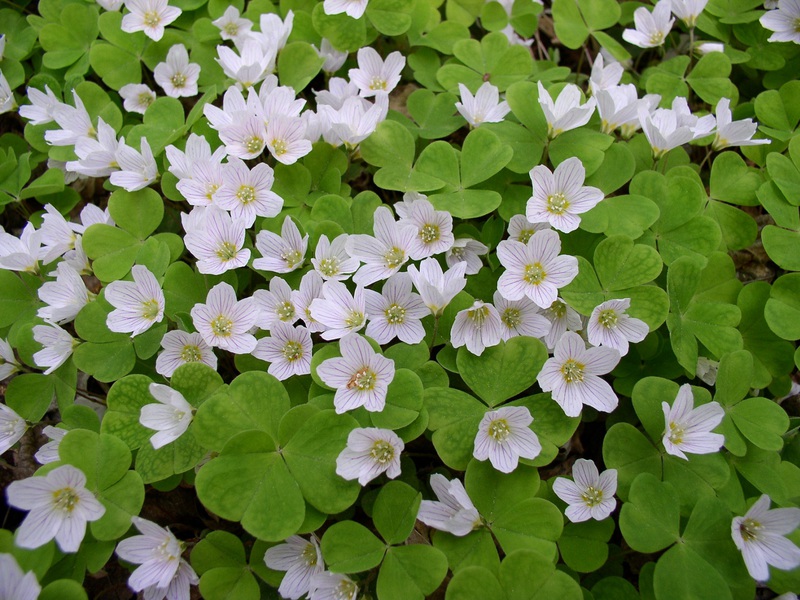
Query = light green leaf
x=349 y=547
x=650 y=519
x=411 y=572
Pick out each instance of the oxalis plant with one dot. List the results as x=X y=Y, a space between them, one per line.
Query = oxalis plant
x=399 y=299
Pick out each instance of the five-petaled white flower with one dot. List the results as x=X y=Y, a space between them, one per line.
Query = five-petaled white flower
x=783 y=21
x=395 y=312
x=327 y=585
x=454 y=512
x=170 y=416
x=14 y=583
x=180 y=348
x=361 y=376
x=434 y=229
x=504 y=436
x=331 y=260
x=49 y=452
x=521 y=230
x=352 y=8
x=535 y=269
x=604 y=77
x=374 y=75
x=760 y=535
x=688 y=429
x=281 y=253
x=177 y=76
x=468 y=251
x=150 y=16
x=339 y=311
x=370 y=451
x=216 y=240
x=651 y=28
x=138 y=305
x=286 y=139
x=231 y=25
x=734 y=133
x=65 y=297
x=610 y=326
x=225 y=323
x=559 y=196
x=384 y=254
x=478 y=327
x=435 y=287
x=247 y=193
x=276 y=305
x=136 y=97
x=520 y=317
x=566 y=112
x=57 y=344
x=573 y=375
x=688 y=10
x=288 y=350
x=591 y=495
x=59 y=505
x=12 y=427
x=301 y=559
x=483 y=107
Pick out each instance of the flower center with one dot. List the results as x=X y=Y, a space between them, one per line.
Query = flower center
x=376 y=83
x=395 y=314
x=10 y=427
x=499 y=430
x=226 y=251
x=345 y=590
x=211 y=189
x=292 y=257
x=285 y=311
x=382 y=452
x=797 y=25
x=657 y=38
x=329 y=267
x=354 y=319
x=572 y=371
x=534 y=274
x=150 y=309
x=151 y=18
x=676 y=433
x=253 y=144
x=429 y=233
x=178 y=80
x=191 y=354
x=310 y=555
x=394 y=257
x=592 y=496
x=65 y=499
x=458 y=253
x=279 y=147
x=478 y=315
x=232 y=29
x=511 y=317
x=557 y=203
x=292 y=351
x=145 y=99
x=525 y=235
x=608 y=318
x=246 y=194
x=749 y=530
x=363 y=380
x=558 y=309
x=221 y=326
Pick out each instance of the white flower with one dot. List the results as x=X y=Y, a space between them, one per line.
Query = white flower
x=12 y=427
x=466 y=250
x=559 y=196
x=663 y=130
x=58 y=346
x=110 y=5
x=783 y=22
x=535 y=269
x=370 y=451
x=74 y=122
x=604 y=77
x=231 y=25
x=520 y=317
x=281 y=253
x=504 y=436
x=573 y=376
x=225 y=323
x=49 y=452
x=483 y=107
x=688 y=10
x=403 y=208
x=96 y=157
x=333 y=586
x=707 y=370
x=395 y=312
x=8 y=362
x=7 y=101
x=276 y=29
x=162 y=571
x=249 y=67
x=361 y=376
x=247 y=193
x=355 y=9
x=704 y=48
x=699 y=126
x=177 y=76
x=384 y=254
x=65 y=297
x=521 y=230
x=618 y=106
x=374 y=75
x=733 y=133
x=217 y=241
x=310 y=289
x=301 y=559
x=478 y=327
x=454 y=513
x=688 y=429
x=138 y=304
x=276 y=305
x=566 y=112
x=22 y=253
x=591 y=495
x=760 y=535
x=288 y=350
x=331 y=260
x=354 y=121
x=334 y=59
x=183 y=164
x=286 y=139
x=137 y=170
x=435 y=287
x=150 y=16
x=14 y=583
x=434 y=229
x=170 y=417
x=59 y=505
x=58 y=234
x=610 y=326
x=180 y=348
x=651 y=28
x=40 y=110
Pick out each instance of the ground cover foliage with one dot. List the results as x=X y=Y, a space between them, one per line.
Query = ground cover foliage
x=400 y=299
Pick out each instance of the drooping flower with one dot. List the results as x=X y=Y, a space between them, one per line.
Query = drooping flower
x=57 y=346
x=281 y=253
x=8 y=361
x=360 y=376
x=7 y=100
x=520 y=317
x=138 y=305
x=566 y=112
x=688 y=429
x=374 y=75
x=468 y=251
x=590 y=495
x=327 y=585
x=384 y=254
x=610 y=326
x=59 y=505
x=483 y=107
x=395 y=312
x=180 y=348
x=301 y=559
x=733 y=133
x=64 y=297
x=150 y=16
x=651 y=28
x=331 y=260
x=21 y=253
x=177 y=76
x=663 y=129
x=535 y=269
x=454 y=512
x=334 y=59
x=618 y=107
x=49 y=452
x=435 y=287
x=12 y=427
x=761 y=537
x=504 y=436
x=288 y=350
x=573 y=375
x=478 y=327
x=707 y=370
x=225 y=322
x=40 y=110
x=170 y=417
x=688 y=10
x=369 y=452
x=559 y=196
x=15 y=584
x=783 y=22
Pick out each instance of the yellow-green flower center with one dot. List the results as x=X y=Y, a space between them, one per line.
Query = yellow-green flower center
x=592 y=496
x=363 y=380
x=221 y=326
x=191 y=353
x=178 y=80
x=253 y=144
x=329 y=267
x=499 y=430
x=395 y=314
x=656 y=38
x=534 y=274
x=572 y=371
x=376 y=83
x=382 y=452
x=292 y=351
x=292 y=258
x=429 y=233
x=557 y=203
x=608 y=318
x=478 y=315
x=231 y=28
x=394 y=257
x=150 y=309
x=525 y=235
x=285 y=311
x=226 y=251
x=676 y=433
x=65 y=499
x=354 y=319
x=145 y=99
x=511 y=317
x=151 y=18
x=279 y=147
x=749 y=530
x=310 y=555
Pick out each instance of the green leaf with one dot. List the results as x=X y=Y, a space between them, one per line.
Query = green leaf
x=30 y=395
x=391 y=144
x=650 y=519
x=349 y=547
x=343 y=32
x=621 y=264
x=138 y=213
x=476 y=549
x=533 y=524
x=298 y=64
x=18 y=297
x=527 y=575
x=115 y=66
x=682 y=573
x=411 y=572
x=395 y=511
x=710 y=79
x=174 y=458
x=617 y=169
x=589 y=146
x=63 y=589
x=390 y=17
x=482 y=155
x=112 y=249
x=503 y=371
x=762 y=421
x=433 y=113
x=781 y=246
x=584 y=546
x=732 y=180
x=626 y=449
x=739 y=229
x=218 y=549
x=734 y=377
x=454 y=418
x=66 y=42
x=226 y=583
x=786 y=176
x=782 y=310
x=474 y=583
x=494 y=493
x=551 y=425
x=403 y=401
x=125 y=401
x=105 y=362
x=467 y=204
